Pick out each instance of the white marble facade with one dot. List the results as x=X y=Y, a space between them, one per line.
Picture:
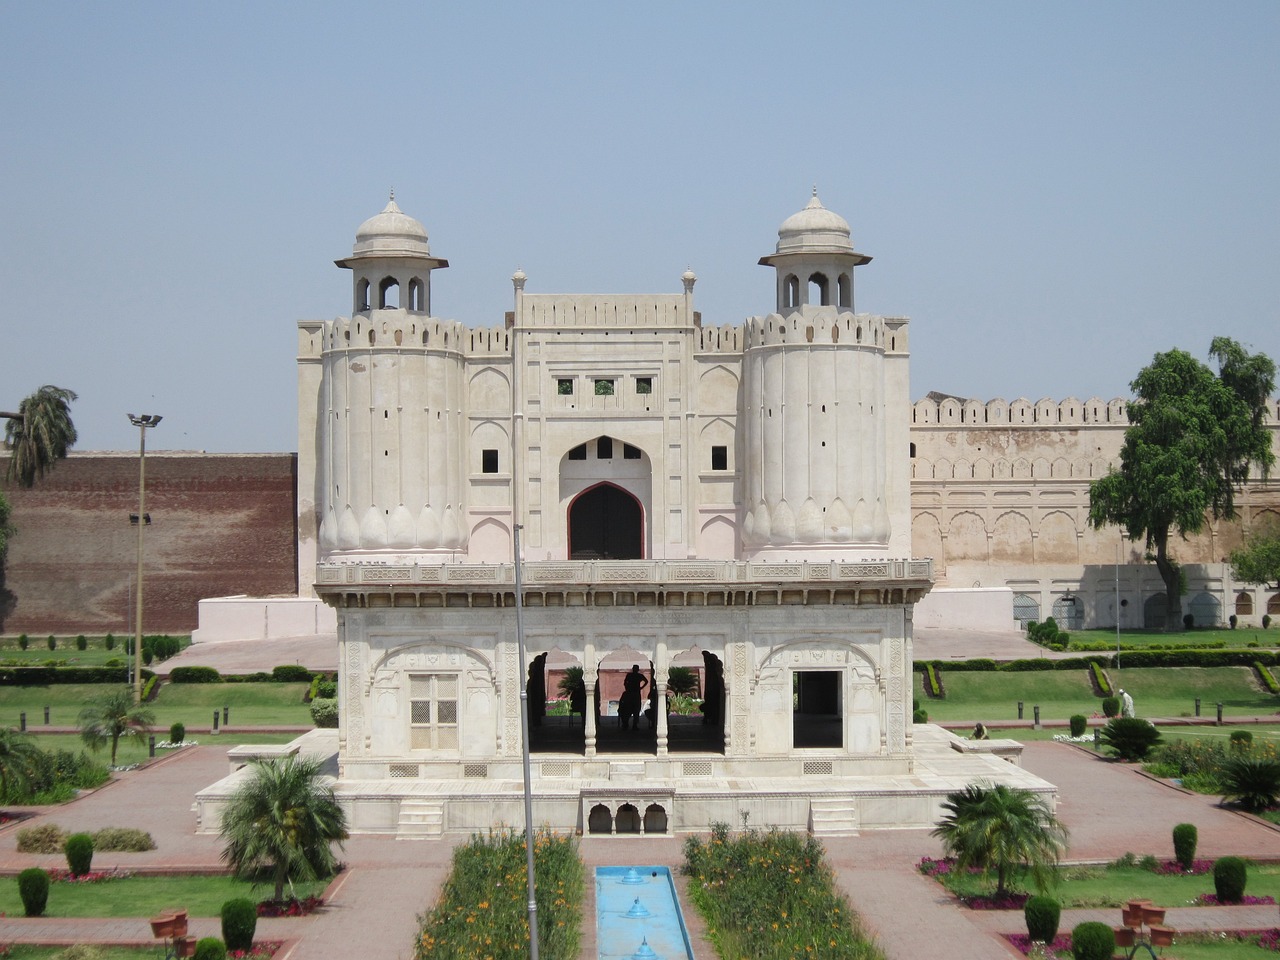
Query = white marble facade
x=732 y=496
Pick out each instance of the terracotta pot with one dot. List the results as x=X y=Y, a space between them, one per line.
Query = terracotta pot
x=184 y=947
x=162 y=926
x=1152 y=916
x=1162 y=936
x=1125 y=937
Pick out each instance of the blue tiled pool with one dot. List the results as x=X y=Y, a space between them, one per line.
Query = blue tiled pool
x=638 y=915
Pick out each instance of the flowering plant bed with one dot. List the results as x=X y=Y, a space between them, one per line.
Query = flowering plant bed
x=62 y=875
x=772 y=895
x=1022 y=943
x=289 y=907
x=1211 y=900
x=1171 y=868
x=262 y=950
x=1007 y=901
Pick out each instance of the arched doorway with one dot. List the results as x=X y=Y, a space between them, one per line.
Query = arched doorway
x=606 y=523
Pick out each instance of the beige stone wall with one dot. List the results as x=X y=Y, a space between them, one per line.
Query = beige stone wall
x=1000 y=497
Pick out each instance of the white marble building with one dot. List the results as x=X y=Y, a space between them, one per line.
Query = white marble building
x=732 y=498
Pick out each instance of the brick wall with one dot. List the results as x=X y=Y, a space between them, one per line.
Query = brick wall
x=221 y=525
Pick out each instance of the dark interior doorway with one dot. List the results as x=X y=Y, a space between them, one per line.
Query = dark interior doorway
x=816 y=720
x=606 y=523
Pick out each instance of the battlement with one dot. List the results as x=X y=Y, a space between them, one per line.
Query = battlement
x=946 y=410
x=816 y=325
x=488 y=341
x=389 y=329
x=604 y=310
x=723 y=339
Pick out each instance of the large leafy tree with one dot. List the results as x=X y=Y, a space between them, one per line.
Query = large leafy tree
x=39 y=434
x=1002 y=830
x=283 y=820
x=1258 y=561
x=19 y=757
x=1193 y=438
x=112 y=716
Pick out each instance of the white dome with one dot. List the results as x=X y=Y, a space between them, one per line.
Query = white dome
x=815 y=229
x=391 y=233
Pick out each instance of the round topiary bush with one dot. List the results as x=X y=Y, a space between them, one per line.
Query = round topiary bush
x=23 y=641
x=1111 y=706
x=1093 y=941
x=82 y=642
x=239 y=921
x=177 y=733
x=920 y=716
x=33 y=887
x=110 y=641
x=1229 y=879
x=79 y=851
x=210 y=948
x=1078 y=724
x=1185 y=838
x=1042 y=914
x=1241 y=739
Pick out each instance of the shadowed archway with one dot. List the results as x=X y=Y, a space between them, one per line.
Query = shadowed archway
x=606 y=523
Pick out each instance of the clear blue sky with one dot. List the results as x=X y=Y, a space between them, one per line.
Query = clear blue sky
x=1052 y=192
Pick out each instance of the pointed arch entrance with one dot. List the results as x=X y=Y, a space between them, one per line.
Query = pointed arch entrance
x=606 y=523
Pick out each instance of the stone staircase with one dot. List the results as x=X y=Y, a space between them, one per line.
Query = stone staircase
x=420 y=820
x=833 y=817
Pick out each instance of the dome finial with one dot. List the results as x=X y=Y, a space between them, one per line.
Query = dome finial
x=393 y=193
x=815 y=189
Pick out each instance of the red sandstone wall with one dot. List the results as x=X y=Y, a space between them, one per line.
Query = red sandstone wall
x=221 y=525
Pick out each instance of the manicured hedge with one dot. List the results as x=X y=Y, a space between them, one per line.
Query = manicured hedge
x=1265 y=675
x=194 y=675
x=46 y=676
x=1146 y=658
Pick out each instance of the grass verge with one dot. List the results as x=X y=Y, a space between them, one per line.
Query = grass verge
x=201 y=896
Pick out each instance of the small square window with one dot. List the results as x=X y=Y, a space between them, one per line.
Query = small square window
x=604 y=388
x=644 y=384
x=488 y=461
x=579 y=452
x=629 y=452
x=719 y=458
x=604 y=448
x=564 y=386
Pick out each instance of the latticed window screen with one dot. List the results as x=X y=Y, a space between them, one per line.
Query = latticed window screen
x=433 y=711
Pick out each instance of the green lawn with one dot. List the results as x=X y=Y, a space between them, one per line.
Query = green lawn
x=95 y=653
x=134 y=751
x=201 y=896
x=1261 y=732
x=1157 y=692
x=1235 y=639
x=1113 y=886
x=252 y=704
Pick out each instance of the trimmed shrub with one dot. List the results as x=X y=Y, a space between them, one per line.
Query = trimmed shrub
x=1233 y=620
x=290 y=673
x=123 y=840
x=1042 y=914
x=1185 y=838
x=23 y=642
x=210 y=948
x=1130 y=738
x=326 y=690
x=1188 y=620
x=1100 y=681
x=1092 y=941
x=82 y=642
x=1265 y=675
x=45 y=676
x=53 y=642
x=33 y=887
x=79 y=851
x=920 y=716
x=933 y=681
x=194 y=675
x=1241 y=739
x=324 y=713
x=1253 y=782
x=110 y=641
x=1266 y=622
x=148 y=656
x=1229 y=879
x=177 y=733
x=1111 y=706
x=46 y=838
x=1079 y=723
x=239 y=921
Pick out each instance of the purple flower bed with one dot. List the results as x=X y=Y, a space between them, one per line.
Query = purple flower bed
x=934 y=868
x=1270 y=940
x=1173 y=868
x=1022 y=943
x=1010 y=901
x=1211 y=900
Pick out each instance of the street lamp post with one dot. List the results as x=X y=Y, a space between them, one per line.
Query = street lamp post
x=142 y=423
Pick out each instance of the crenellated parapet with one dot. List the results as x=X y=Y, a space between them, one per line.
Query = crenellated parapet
x=487 y=342
x=726 y=339
x=391 y=329
x=589 y=310
x=815 y=325
x=944 y=410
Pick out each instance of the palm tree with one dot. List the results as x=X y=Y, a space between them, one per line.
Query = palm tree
x=39 y=434
x=283 y=820
x=18 y=758
x=1001 y=829
x=112 y=716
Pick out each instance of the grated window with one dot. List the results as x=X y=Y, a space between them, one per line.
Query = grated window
x=817 y=768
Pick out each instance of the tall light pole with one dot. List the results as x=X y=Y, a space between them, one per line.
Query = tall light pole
x=524 y=751
x=142 y=423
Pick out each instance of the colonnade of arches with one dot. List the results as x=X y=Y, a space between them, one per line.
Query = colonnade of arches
x=626 y=818
x=817 y=291
x=388 y=297
x=679 y=708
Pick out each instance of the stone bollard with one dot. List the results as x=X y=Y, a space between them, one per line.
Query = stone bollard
x=46 y=716
x=1219 y=713
x=1019 y=709
x=151 y=745
x=22 y=722
x=1197 y=706
x=215 y=720
x=226 y=715
x=1036 y=710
